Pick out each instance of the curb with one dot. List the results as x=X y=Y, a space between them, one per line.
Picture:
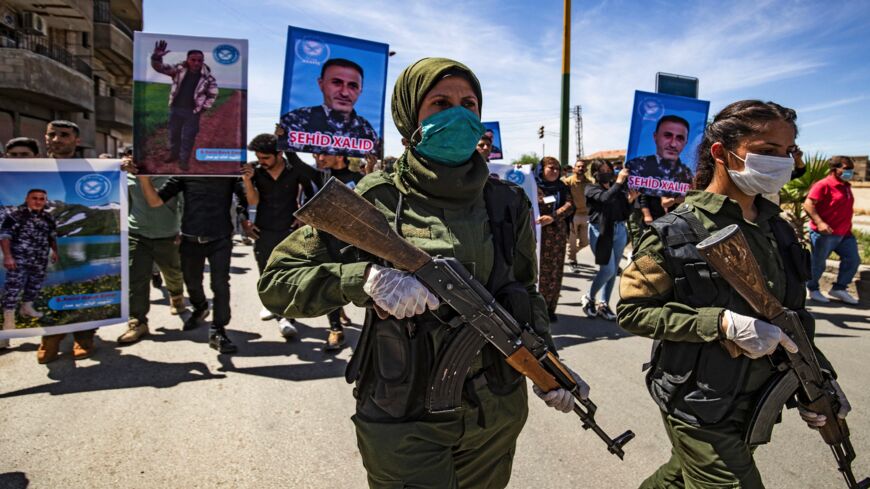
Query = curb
x=860 y=286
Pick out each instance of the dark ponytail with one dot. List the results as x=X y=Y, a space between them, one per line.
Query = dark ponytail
x=733 y=123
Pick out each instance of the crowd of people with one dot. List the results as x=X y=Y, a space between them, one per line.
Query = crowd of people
x=436 y=193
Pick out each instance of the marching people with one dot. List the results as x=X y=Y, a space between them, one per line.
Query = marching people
x=153 y=240
x=830 y=205
x=668 y=293
x=609 y=202
x=578 y=235
x=436 y=198
x=206 y=234
x=273 y=188
x=555 y=206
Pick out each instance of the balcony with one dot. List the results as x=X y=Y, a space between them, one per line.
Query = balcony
x=113 y=41
x=37 y=76
x=114 y=113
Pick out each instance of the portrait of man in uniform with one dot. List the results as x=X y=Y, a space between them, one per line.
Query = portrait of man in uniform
x=28 y=238
x=341 y=83
x=670 y=137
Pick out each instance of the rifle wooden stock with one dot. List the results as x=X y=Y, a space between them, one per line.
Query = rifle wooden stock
x=729 y=254
x=525 y=363
x=339 y=211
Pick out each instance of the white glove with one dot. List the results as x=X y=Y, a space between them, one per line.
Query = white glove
x=561 y=399
x=816 y=420
x=398 y=293
x=755 y=337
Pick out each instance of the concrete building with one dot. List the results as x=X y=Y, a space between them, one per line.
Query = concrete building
x=69 y=59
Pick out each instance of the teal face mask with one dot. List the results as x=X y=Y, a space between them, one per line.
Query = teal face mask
x=450 y=137
x=847 y=174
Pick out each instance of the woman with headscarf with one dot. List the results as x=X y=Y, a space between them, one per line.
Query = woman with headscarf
x=708 y=398
x=555 y=206
x=438 y=200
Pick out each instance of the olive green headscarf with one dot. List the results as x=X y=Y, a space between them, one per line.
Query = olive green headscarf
x=439 y=185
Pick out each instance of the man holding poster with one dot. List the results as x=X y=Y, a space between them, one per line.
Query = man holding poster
x=341 y=83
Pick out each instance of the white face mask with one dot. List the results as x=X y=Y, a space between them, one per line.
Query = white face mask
x=762 y=174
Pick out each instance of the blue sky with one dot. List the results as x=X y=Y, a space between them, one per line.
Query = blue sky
x=808 y=55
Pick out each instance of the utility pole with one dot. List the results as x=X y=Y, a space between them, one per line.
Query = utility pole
x=566 y=79
x=578 y=122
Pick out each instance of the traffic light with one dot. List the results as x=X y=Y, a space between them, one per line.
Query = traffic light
x=541 y=132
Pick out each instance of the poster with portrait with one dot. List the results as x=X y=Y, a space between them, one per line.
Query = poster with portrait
x=190 y=103
x=494 y=134
x=662 y=146
x=333 y=97
x=64 y=226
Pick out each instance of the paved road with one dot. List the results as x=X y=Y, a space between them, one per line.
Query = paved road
x=169 y=412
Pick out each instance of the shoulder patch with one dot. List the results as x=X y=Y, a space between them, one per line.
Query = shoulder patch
x=644 y=278
x=372 y=180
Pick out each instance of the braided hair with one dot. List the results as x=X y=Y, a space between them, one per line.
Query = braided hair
x=733 y=123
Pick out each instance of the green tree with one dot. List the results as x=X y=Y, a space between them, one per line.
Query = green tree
x=794 y=193
x=527 y=159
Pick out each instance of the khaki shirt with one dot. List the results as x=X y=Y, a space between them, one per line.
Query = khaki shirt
x=578 y=187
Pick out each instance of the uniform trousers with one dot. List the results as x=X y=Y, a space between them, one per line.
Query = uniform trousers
x=446 y=451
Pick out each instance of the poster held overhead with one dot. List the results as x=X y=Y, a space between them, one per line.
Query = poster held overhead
x=64 y=224
x=190 y=104
x=493 y=132
x=333 y=97
x=662 y=146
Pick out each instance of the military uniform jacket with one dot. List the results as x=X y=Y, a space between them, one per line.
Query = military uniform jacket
x=648 y=306
x=302 y=280
x=649 y=166
x=322 y=119
x=31 y=234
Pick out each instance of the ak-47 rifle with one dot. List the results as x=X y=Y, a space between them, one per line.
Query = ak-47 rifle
x=339 y=211
x=728 y=253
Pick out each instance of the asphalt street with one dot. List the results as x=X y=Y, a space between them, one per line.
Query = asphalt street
x=169 y=412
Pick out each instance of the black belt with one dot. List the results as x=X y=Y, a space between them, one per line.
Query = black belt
x=201 y=239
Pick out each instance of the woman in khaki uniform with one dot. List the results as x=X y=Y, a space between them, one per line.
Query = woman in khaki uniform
x=437 y=199
x=667 y=293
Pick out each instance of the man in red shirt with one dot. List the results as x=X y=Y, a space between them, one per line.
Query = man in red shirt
x=830 y=204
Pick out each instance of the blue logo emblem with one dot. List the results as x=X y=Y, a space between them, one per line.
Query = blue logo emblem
x=93 y=187
x=312 y=50
x=515 y=176
x=651 y=109
x=225 y=54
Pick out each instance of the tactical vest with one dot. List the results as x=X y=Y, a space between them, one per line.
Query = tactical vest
x=699 y=382
x=394 y=359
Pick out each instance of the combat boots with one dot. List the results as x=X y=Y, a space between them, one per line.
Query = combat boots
x=28 y=310
x=48 y=348
x=176 y=305
x=83 y=348
x=8 y=324
x=135 y=330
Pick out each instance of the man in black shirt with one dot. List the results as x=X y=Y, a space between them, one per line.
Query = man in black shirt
x=329 y=166
x=206 y=234
x=273 y=187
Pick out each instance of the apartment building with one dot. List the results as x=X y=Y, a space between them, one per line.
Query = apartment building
x=69 y=59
